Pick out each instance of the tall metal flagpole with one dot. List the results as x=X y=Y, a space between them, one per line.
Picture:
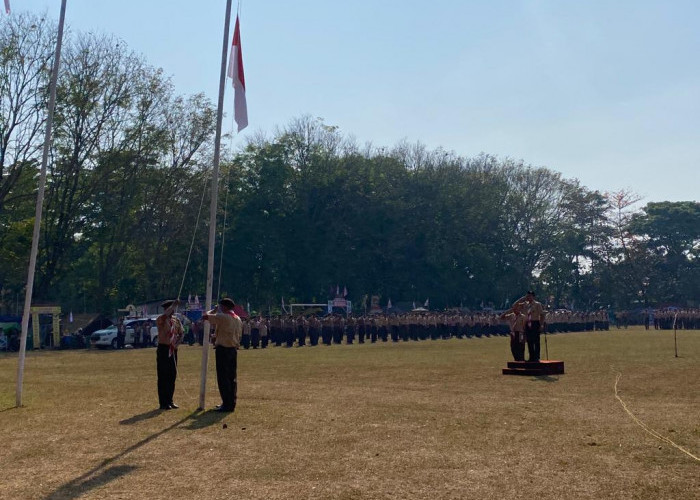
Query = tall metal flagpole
x=214 y=202
x=39 y=207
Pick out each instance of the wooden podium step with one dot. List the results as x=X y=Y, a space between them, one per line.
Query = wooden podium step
x=548 y=367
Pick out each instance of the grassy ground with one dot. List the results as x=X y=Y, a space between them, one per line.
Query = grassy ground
x=433 y=419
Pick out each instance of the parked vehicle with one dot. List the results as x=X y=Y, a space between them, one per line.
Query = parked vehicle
x=107 y=337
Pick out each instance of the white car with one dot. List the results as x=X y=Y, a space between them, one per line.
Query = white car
x=107 y=337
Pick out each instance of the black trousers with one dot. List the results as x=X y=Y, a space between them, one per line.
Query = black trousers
x=313 y=336
x=166 y=367
x=532 y=332
x=517 y=348
x=326 y=335
x=226 y=363
x=255 y=338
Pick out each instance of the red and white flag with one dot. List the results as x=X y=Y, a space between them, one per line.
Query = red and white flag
x=7 y=6
x=235 y=72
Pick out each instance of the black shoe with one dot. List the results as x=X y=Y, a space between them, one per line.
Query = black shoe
x=224 y=409
x=173 y=406
x=164 y=408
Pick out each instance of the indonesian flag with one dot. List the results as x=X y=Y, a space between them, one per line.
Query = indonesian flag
x=235 y=72
x=7 y=6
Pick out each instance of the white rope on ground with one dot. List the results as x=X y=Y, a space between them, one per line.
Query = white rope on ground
x=646 y=427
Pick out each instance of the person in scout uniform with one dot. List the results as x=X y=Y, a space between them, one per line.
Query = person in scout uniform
x=535 y=316
x=228 y=330
x=517 y=321
x=170 y=334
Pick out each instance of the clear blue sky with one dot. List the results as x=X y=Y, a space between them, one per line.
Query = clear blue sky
x=604 y=91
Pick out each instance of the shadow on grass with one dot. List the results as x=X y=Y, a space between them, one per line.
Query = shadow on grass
x=83 y=484
x=546 y=378
x=106 y=472
x=205 y=419
x=140 y=417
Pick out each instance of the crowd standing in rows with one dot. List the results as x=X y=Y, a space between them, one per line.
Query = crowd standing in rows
x=666 y=318
x=289 y=331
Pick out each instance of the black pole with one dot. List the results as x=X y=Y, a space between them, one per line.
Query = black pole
x=675 y=332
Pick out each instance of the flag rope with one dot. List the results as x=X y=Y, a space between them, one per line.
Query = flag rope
x=223 y=232
x=194 y=234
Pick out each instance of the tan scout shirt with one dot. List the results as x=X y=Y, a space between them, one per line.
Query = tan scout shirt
x=535 y=311
x=229 y=329
x=517 y=322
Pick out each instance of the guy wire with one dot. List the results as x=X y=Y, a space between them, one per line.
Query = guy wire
x=645 y=427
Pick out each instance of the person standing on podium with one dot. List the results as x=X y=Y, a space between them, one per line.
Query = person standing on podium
x=534 y=324
x=517 y=320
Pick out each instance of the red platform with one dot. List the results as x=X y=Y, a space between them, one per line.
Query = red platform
x=548 y=367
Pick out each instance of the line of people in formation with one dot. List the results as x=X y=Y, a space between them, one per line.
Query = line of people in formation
x=684 y=319
x=260 y=332
x=660 y=319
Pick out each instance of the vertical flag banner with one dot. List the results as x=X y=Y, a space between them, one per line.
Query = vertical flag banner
x=7 y=6
x=235 y=72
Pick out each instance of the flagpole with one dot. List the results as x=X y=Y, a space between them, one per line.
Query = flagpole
x=39 y=208
x=213 y=206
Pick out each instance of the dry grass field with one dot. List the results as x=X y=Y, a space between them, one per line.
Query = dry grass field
x=419 y=420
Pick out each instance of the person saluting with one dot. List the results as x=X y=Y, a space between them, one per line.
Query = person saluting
x=169 y=337
x=228 y=329
x=535 y=318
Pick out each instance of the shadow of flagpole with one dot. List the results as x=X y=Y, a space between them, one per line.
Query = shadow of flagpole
x=103 y=473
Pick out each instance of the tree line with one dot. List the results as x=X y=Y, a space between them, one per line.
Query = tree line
x=301 y=209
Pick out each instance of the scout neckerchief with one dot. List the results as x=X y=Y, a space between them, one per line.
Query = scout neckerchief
x=172 y=337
